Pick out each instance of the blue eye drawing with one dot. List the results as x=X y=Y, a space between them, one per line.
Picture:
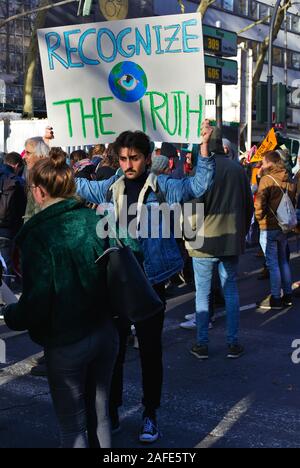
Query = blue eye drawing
x=128 y=81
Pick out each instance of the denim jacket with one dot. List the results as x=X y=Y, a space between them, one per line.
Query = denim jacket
x=162 y=258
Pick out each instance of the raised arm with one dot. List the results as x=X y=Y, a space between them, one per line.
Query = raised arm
x=93 y=191
x=188 y=188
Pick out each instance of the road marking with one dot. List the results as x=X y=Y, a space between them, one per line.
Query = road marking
x=227 y=423
x=242 y=309
x=12 y=334
x=2 y=352
x=17 y=370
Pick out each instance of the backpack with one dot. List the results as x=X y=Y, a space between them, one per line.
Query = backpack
x=8 y=209
x=286 y=212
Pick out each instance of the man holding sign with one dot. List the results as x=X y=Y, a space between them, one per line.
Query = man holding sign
x=159 y=254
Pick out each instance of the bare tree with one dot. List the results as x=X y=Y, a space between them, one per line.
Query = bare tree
x=202 y=8
x=32 y=54
x=265 y=44
x=31 y=62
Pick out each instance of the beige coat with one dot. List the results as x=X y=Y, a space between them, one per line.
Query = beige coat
x=269 y=196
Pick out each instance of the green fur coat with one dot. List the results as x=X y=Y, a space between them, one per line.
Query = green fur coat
x=64 y=291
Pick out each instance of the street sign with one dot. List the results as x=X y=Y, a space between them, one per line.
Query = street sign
x=219 y=41
x=220 y=71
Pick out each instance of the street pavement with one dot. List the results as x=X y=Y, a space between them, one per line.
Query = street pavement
x=249 y=402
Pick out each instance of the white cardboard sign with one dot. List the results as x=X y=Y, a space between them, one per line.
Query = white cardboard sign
x=141 y=74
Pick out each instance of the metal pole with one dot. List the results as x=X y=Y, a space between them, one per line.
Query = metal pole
x=285 y=61
x=219 y=97
x=219 y=106
x=270 y=65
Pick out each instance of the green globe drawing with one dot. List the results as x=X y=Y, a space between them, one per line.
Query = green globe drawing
x=128 y=81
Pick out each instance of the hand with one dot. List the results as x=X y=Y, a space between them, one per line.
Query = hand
x=49 y=134
x=206 y=131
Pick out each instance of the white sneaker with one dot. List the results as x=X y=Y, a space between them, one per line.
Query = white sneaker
x=189 y=325
x=190 y=316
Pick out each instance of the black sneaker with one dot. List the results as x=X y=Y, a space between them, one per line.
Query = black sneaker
x=149 y=431
x=271 y=302
x=235 y=351
x=287 y=300
x=200 y=351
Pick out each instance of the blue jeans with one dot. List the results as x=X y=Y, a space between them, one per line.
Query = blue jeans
x=203 y=271
x=79 y=377
x=274 y=245
x=6 y=247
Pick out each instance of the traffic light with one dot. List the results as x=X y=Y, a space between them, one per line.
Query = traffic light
x=261 y=103
x=280 y=103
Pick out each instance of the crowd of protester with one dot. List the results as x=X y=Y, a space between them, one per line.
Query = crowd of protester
x=49 y=213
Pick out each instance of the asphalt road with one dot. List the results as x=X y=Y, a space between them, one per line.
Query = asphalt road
x=249 y=402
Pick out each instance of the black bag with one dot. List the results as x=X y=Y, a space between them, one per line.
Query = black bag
x=130 y=293
x=9 y=201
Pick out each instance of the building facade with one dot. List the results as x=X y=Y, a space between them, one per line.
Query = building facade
x=14 y=42
x=236 y=15
x=233 y=15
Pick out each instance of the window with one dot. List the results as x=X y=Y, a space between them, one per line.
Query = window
x=295 y=24
x=228 y=5
x=296 y=60
x=3 y=64
x=11 y=43
x=27 y=27
x=277 y=57
x=263 y=11
x=253 y=9
x=19 y=44
x=2 y=43
x=289 y=59
x=241 y=7
x=16 y=64
x=217 y=4
x=289 y=22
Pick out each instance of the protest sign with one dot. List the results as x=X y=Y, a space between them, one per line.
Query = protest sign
x=142 y=74
x=269 y=143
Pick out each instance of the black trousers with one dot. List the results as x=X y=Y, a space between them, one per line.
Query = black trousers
x=149 y=334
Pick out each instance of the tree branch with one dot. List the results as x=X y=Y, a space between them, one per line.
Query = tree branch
x=256 y=23
x=182 y=7
x=35 y=10
x=265 y=45
x=204 y=4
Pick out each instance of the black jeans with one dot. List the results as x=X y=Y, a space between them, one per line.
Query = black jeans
x=149 y=334
x=79 y=377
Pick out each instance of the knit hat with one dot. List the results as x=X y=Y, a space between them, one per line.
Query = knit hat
x=159 y=164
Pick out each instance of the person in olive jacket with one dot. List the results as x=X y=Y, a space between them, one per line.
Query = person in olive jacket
x=63 y=305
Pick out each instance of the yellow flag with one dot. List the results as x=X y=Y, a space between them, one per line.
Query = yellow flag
x=269 y=143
